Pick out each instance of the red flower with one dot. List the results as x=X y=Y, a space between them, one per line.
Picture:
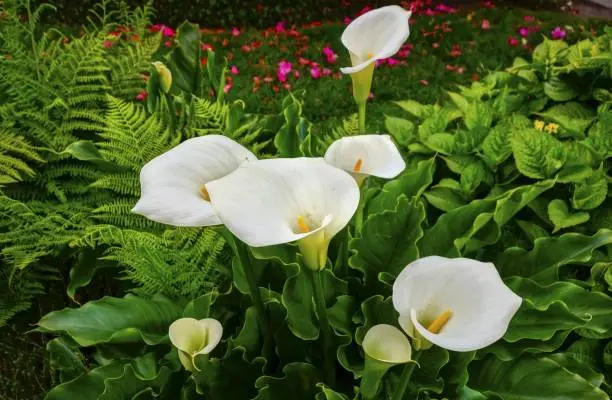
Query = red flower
x=456 y=51
x=512 y=41
x=142 y=96
x=108 y=44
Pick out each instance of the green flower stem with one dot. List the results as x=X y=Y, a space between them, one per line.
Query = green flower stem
x=340 y=266
x=319 y=298
x=405 y=378
x=247 y=267
x=361 y=108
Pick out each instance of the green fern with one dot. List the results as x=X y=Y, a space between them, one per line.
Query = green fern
x=15 y=151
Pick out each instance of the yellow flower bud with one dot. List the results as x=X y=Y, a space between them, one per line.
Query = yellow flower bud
x=165 y=76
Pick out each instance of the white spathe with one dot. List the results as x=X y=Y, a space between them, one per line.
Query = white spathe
x=172 y=184
x=283 y=200
x=375 y=35
x=388 y=344
x=193 y=337
x=480 y=305
x=365 y=155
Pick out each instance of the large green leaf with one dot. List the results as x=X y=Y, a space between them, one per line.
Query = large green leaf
x=549 y=50
x=560 y=215
x=117 y=380
x=298 y=383
x=591 y=192
x=388 y=239
x=548 y=254
x=530 y=378
x=401 y=129
x=115 y=320
x=572 y=116
x=537 y=154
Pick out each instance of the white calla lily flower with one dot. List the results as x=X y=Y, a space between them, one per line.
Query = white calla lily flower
x=173 y=188
x=280 y=200
x=388 y=344
x=193 y=337
x=458 y=304
x=372 y=36
x=366 y=155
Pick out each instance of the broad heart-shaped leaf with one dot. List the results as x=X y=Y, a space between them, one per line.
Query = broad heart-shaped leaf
x=558 y=89
x=537 y=154
x=376 y=310
x=231 y=377
x=560 y=306
x=121 y=379
x=287 y=140
x=572 y=116
x=548 y=254
x=115 y=320
x=455 y=372
x=496 y=146
x=529 y=378
x=298 y=383
x=401 y=129
x=411 y=183
x=560 y=215
x=478 y=223
x=388 y=240
x=427 y=375
x=510 y=350
x=591 y=192
x=184 y=60
x=549 y=50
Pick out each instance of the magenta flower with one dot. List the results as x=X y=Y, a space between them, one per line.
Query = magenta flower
x=392 y=61
x=558 y=33
x=326 y=71
x=235 y=32
x=206 y=47
x=330 y=55
x=524 y=32
x=529 y=18
x=512 y=41
x=168 y=32
x=347 y=20
x=380 y=62
x=284 y=69
x=315 y=72
x=234 y=70
x=280 y=27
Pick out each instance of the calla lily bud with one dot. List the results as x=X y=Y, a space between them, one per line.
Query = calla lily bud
x=384 y=346
x=173 y=187
x=165 y=76
x=366 y=155
x=456 y=303
x=193 y=337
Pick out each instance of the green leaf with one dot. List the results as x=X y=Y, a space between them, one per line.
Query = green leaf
x=401 y=129
x=560 y=215
x=529 y=378
x=558 y=90
x=445 y=199
x=435 y=123
x=84 y=270
x=117 y=380
x=560 y=306
x=65 y=358
x=129 y=319
x=376 y=310
x=496 y=146
x=549 y=50
x=534 y=153
x=329 y=394
x=413 y=107
x=411 y=183
x=231 y=377
x=184 y=60
x=591 y=192
x=478 y=115
x=578 y=367
x=86 y=150
x=472 y=176
x=298 y=299
x=572 y=116
x=298 y=383
x=548 y=254
x=388 y=239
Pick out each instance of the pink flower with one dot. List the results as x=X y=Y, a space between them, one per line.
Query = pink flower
x=234 y=70
x=206 y=47
x=392 y=61
x=461 y=70
x=424 y=82
x=529 y=18
x=168 y=43
x=287 y=86
x=380 y=62
x=268 y=79
x=303 y=61
x=558 y=33
x=330 y=55
x=284 y=68
x=512 y=41
x=296 y=74
x=227 y=87
x=142 y=96
x=404 y=53
x=445 y=9
x=245 y=48
x=455 y=51
x=108 y=44
x=315 y=72
x=429 y=12
x=364 y=10
x=485 y=24
x=524 y=32
x=168 y=32
x=347 y=20
x=326 y=71
x=235 y=32
x=280 y=27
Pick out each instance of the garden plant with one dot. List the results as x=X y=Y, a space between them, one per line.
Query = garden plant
x=226 y=231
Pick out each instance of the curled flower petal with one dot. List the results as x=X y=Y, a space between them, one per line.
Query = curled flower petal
x=388 y=344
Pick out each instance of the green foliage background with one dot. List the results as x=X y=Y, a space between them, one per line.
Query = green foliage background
x=482 y=182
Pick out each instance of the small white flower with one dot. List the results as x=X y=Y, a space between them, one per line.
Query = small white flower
x=458 y=304
x=193 y=337
x=280 y=200
x=173 y=187
x=387 y=344
x=366 y=155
